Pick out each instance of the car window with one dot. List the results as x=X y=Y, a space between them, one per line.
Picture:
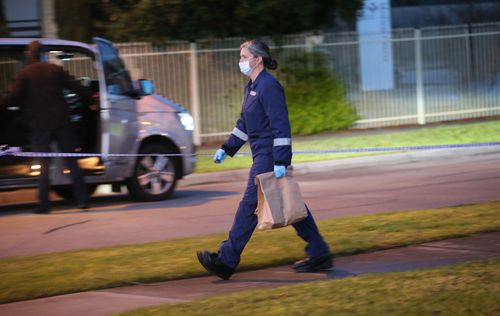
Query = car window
x=84 y=108
x=77 y=64
x=11 y=61
x=13 y=127
x=116 y=75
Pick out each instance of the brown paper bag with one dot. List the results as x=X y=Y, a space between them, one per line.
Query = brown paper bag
x=279 y=201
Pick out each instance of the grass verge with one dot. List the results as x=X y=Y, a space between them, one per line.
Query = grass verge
x=31 y=277
x=455 y=134
x=464 y=289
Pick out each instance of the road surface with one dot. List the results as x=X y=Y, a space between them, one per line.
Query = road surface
x=208 y=208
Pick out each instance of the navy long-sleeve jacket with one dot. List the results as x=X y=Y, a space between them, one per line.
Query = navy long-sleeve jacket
x=263 y=121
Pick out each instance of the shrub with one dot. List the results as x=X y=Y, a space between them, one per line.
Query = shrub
x=315 y=95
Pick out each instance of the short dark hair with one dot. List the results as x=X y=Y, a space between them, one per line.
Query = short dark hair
x=34 y=49
x=259 y=48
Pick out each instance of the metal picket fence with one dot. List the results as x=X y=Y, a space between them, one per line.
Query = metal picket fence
x=440 y=74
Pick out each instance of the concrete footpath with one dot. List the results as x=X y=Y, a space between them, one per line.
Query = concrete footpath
x=106 y=302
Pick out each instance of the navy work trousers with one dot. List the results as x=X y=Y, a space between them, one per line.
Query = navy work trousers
x=245 y=221
x=65 y=139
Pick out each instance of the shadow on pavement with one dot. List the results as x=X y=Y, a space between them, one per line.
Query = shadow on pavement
x=120 y=203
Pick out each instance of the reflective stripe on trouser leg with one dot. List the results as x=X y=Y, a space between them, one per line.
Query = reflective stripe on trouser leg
x=308 y=231
x=245 y=219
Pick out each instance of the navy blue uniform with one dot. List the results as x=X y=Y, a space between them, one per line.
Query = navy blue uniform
x=264 y=124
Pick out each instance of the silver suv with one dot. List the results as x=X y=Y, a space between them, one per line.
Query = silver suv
x=125 y=117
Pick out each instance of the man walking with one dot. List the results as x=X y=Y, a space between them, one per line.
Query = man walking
x=38 y=88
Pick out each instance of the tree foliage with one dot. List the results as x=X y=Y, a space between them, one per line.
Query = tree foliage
x=3 y=24
x=315 y=95
x=79 y=20
x=160 y=20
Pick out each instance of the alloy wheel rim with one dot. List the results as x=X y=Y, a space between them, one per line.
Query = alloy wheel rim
x=156 y=174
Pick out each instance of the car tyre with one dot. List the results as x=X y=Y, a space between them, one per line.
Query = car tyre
x=155 y=176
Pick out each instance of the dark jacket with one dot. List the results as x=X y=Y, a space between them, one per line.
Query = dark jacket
x=263 y=121
x=38 y=89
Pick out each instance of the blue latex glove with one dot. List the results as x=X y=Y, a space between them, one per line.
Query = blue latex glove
x=220 y=155
x=279 y=171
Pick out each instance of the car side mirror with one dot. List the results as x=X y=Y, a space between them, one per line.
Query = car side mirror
x=146 y=86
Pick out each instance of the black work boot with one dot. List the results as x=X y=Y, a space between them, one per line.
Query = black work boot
x=314 y=264
x=213 y=264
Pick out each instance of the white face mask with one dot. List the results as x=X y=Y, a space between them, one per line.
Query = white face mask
x=245 y=67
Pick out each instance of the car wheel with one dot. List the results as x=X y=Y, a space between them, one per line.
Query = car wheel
x=66 y=191
x=154 y=176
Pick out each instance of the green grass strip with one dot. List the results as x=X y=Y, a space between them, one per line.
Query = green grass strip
x=31 y=277
x=455 y=134
x=457 y=290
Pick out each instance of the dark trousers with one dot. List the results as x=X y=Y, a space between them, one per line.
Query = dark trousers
x=65 y=139
x=245 y=221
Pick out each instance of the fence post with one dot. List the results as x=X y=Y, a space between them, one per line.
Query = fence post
x=419 y=79
x=194 y=93
x=469 y=55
